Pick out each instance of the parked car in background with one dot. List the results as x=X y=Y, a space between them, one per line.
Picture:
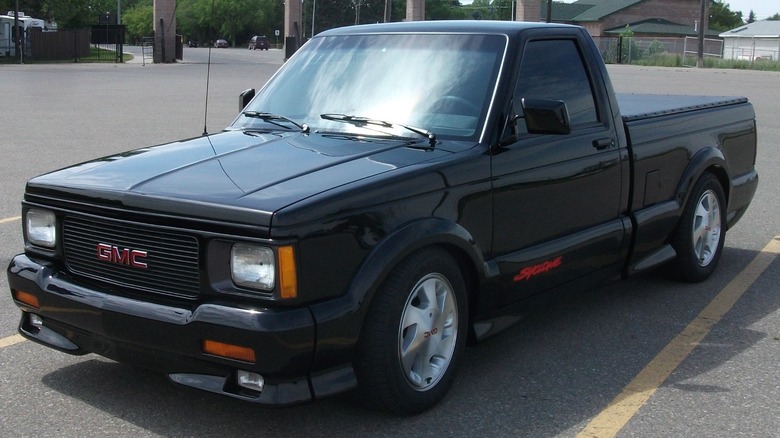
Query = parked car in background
x=221 y=44
x=191 y=43
x=259 y=42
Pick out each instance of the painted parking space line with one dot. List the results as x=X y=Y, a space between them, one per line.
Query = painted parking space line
x=612 y=419
x=15 y=339
x=11 y=340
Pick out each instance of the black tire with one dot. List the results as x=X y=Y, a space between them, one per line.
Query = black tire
x=412 y=341
x=701 y=232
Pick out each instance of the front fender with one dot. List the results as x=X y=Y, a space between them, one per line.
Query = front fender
x=406 y=240
x=339 y=320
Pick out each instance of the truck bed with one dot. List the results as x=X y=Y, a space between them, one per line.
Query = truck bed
x=665 y=131
x=641 y=106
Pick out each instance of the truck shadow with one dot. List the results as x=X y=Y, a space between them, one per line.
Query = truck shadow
x=546 y=376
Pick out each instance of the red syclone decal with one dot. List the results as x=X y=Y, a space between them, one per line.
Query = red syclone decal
x=531 y=271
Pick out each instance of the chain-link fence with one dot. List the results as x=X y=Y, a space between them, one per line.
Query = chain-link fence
x=752 y=49
x=634 y=50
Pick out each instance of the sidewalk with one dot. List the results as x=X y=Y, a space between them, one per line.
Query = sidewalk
x=137 y=53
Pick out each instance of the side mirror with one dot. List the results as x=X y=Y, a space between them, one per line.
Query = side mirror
x=244 y=98
x=544 y=116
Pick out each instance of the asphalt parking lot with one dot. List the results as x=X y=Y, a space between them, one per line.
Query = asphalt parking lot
x=645 y=357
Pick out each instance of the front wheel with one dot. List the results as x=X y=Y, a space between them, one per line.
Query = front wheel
x=702 y=230
x=414 y=334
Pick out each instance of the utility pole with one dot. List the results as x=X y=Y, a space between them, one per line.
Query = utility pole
x=703 y=24
x=18 y=43
x=549 y=11
x=313 y=14
x=388 y=6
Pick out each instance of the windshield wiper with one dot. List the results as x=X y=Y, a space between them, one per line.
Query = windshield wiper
x=363 y=121
x=274 y=119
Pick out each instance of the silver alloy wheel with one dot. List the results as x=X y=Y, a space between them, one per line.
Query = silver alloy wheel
x=706 y=228
x=428 y=332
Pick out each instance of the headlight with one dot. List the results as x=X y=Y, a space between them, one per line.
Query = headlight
x=41 y=227
x=253 y=266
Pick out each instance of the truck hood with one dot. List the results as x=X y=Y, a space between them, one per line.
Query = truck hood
x=251 y=172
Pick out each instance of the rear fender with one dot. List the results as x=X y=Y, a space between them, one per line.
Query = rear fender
x=709 y=159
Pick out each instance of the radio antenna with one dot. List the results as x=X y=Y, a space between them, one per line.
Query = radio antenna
x=206 y=109
x=208 y=76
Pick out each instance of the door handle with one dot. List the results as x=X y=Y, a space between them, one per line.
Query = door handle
x=603 y=143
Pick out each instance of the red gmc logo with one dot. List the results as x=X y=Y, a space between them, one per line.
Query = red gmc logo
x=121 y=256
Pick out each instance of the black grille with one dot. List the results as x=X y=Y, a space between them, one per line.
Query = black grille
x=171 y=259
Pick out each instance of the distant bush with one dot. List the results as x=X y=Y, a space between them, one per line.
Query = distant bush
x=743 y=64
x=666 y=59
x=661 y=60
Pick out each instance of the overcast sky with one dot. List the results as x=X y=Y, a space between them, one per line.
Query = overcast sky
x=763 y=8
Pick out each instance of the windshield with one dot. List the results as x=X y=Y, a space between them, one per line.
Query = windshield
x=438 y=83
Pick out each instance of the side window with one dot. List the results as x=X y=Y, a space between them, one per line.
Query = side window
x=553 y=69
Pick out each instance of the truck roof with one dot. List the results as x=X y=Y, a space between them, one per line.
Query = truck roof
x=443 y=26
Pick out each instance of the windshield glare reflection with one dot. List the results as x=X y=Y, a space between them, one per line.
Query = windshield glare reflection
x=441 y=83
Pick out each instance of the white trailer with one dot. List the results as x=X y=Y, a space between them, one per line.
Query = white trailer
x=26 y=23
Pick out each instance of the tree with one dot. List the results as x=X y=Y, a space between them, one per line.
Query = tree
x=235 y=20
x=751 y=17
x=69 y=14
x=444 y=10
x=32 y=8
x=631 y=50
x=338 y=13
x=138 y=21
x=489 y=10
x=775 y=17
x=233 y=17
x=77 y=14
x=722 y=18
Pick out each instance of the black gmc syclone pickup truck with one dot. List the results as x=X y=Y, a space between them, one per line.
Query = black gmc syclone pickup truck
x=393 y=192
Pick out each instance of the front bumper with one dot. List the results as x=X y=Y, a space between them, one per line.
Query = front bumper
x=78 y=319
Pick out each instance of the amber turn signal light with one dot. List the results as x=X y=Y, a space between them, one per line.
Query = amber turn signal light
x=229 y=351
x=27 y=298
x=288 y=277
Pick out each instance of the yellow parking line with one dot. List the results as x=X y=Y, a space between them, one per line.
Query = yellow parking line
x=11 y=340
x=10 y=219
x=609 y=422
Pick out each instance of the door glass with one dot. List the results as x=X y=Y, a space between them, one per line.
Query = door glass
x=553 y=69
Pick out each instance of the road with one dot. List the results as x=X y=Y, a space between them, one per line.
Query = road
x=552 y=374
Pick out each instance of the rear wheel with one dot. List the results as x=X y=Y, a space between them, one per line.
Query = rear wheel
x=414 y=334
x=702 y=231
